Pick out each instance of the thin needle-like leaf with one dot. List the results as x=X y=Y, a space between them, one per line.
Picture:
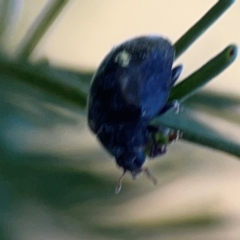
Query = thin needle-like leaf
x=208 y=71
x=10 y=12
x=39 y=27
x=205 y=138
x=201 y=26
x=189 y=86
x=44 y=81
x=222 y=144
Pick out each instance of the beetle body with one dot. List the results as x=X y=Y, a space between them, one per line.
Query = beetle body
x=129 y=89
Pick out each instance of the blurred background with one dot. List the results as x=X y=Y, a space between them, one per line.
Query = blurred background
x=57 y=182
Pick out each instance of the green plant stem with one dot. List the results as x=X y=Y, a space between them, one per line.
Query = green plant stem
x=8 y=17
x=205 y=137
x=29 y=74
x=189 y=86
x=3 y=11
x=215 y=66
x=217 y=143
x=39 y=27
x=208 y=140
x=201 y=26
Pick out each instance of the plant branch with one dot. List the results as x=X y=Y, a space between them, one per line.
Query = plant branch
x=201 y=26
x=10 y=11
x=39 y=27
x=44 y=81
x=211 y=69
x=217 y=143
x=205 y=138
x=189 y=86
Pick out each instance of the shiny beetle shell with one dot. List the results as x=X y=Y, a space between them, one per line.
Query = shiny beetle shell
x=129 y=89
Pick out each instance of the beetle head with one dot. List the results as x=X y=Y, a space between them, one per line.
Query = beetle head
x=133 y=162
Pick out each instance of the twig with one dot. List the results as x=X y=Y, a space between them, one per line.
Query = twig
x=39 y=27
x=201 y=26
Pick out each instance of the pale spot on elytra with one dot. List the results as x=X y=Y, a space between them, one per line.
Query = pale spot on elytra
x=123 y=58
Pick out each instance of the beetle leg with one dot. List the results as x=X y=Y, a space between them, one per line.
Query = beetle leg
x=176 y=106
x=119 y=183
x=175 y=74
x=172 y=105
x=159 y=138
x=174 y=136
x=157 y=150
x=157 y=141
x=149 y=175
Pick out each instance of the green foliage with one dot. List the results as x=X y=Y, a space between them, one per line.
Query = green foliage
x=39 y=97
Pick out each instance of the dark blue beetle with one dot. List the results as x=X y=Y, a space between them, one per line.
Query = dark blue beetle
x=129 y=89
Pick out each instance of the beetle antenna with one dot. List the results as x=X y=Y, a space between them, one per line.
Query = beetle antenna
x=119 y=183
x=149 y=175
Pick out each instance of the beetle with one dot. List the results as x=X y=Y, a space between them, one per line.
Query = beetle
x=129 y=89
